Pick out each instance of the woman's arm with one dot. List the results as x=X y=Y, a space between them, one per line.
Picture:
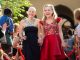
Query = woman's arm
x=21 y=27
x=1 y=33
x=3 y=30
x=40 y=32
x=61 y=33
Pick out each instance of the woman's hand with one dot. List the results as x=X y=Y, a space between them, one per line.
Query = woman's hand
x=64 y=45
x=4 y=27
x=19 y=46
x=40 y=41
x=24 y=37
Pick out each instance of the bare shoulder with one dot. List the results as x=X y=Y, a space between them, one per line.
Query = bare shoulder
x=61 y=22
x=22 y=22
x=37 y=20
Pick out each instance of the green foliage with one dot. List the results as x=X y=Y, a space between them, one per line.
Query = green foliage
x=17 y=7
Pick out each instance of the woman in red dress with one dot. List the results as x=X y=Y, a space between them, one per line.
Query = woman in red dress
x=52 y=47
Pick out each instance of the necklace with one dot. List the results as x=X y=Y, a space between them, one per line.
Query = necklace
x=31 y=22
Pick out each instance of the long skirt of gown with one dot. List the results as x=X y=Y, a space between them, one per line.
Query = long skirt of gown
x=31 y=49
x=52 y=49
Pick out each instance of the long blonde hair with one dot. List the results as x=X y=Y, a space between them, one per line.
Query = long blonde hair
x=53 y=9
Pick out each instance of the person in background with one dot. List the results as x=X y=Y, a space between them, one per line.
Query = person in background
x=17 y=43
x=6 y=18
x=15 y=39
x=77 y=32
x=3 y=55
x=2 y=31
x=69 y=40
x=0 y=10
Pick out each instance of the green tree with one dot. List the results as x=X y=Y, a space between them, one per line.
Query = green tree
x=17 y=7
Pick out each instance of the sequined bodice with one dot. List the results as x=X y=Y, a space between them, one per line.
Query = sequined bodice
x=29 y=23
x=51 y=28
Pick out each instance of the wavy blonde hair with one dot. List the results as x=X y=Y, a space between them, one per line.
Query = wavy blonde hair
x=54 y=14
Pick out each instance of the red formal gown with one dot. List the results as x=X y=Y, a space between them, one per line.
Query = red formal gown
x=51 y=48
